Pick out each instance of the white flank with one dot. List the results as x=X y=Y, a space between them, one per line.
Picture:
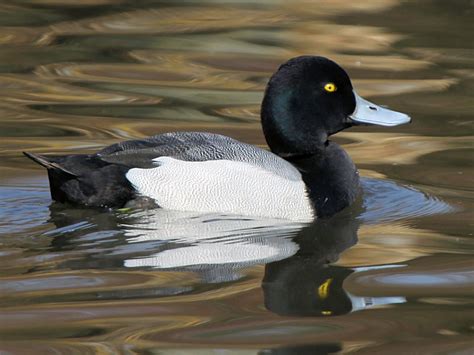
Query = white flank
x=222 y=186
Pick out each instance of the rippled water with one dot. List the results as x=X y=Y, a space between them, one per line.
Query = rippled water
x=392 y=274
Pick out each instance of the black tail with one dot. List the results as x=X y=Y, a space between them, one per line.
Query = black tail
x=48 y=164
x=86 y=180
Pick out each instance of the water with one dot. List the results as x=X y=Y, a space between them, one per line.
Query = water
x=392 y=274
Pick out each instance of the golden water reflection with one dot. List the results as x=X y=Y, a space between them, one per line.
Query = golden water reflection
x=76 y=76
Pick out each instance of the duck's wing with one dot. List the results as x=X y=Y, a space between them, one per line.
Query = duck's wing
x=194 y=146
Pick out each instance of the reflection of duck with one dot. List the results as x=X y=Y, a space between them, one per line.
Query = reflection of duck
x=215 y=247
x=218 y=247
x=306 y=285
x=306 y=175
x=299 y=279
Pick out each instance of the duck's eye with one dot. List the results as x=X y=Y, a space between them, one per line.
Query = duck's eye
x=330 y=87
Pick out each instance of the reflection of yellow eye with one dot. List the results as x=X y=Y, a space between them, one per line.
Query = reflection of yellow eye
x=323 y=289
x=326 y=313
x=330 y=87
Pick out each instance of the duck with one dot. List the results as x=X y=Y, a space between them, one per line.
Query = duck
x=303 y=176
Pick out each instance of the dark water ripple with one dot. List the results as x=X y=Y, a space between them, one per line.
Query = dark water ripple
x=385 y=201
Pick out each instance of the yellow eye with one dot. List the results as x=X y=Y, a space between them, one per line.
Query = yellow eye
x=330 y=87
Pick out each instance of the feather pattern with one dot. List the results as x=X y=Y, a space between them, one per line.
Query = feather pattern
x=195 y=146
x=222 y=186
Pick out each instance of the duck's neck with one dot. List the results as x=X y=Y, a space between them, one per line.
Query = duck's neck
x=331 y=178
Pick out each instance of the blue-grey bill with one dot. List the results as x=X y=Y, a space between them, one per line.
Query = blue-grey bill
x=369 y=113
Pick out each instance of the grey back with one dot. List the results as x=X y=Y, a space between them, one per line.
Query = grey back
x=195 y=146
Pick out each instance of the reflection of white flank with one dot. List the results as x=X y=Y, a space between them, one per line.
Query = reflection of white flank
x=197 y=240
x=205 y=254
x=191 y=227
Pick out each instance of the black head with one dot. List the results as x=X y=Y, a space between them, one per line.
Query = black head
x=306 y=100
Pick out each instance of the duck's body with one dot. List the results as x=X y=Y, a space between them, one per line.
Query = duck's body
x=204 y=172
x=304 y=176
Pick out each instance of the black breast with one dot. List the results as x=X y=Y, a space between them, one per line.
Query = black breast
x=331 y=178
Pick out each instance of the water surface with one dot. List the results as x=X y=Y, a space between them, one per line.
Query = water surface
x=391 y=274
